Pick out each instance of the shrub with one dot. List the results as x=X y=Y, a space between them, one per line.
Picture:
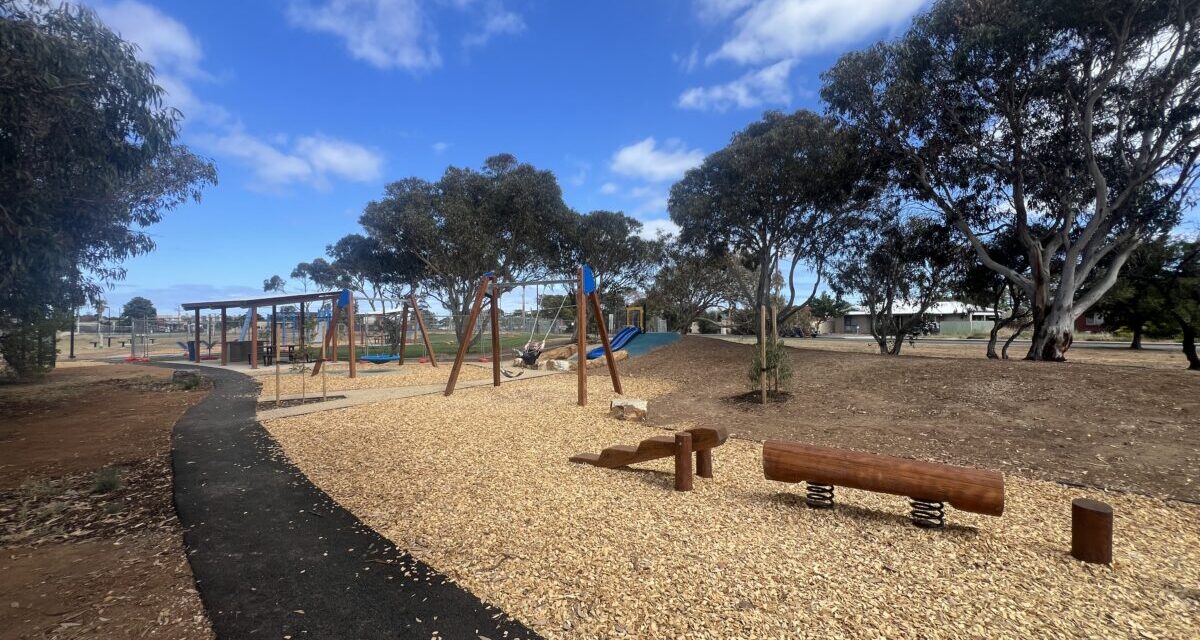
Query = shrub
x=778 y=366
x=106 y=480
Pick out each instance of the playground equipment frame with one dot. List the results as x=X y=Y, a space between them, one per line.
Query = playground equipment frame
x=585 y=296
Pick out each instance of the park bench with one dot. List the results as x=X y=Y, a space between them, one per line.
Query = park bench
x=700 y=440
x=928 y=485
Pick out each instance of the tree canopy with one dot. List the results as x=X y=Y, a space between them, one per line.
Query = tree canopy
x=138 y=308
x=781 y=191
x=504 y=218
x=1074 y=123
x=88 y=160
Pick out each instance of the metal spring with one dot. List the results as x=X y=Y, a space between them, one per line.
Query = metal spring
x=820 y=496
x=927 y=514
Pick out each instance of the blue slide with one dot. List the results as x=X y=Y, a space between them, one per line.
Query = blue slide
x=623 y=337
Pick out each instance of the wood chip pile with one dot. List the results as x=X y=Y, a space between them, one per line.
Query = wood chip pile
x=370 y=376
x=479 y=486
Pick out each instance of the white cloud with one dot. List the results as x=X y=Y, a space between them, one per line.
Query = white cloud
x=768 y=85
x=715 y=10
x=652 y=228
x=653 y=198
x=401 y=34
x=165 y=43
x=687 y=63
x=439 y=147
x=772 y=30
x=384 y=33
x=340 y=158
x=497 y=21
x=312 y=160
x=648 y=161
x=177 y=57
x=609 y=188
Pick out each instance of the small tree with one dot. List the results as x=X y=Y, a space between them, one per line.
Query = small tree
x=138 y=308
x=899 y=266
x=274 y=283
x=689 y=284
x=778 y=367
x=1137 y=302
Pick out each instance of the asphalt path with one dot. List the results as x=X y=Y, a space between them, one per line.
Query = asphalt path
x=275 y=557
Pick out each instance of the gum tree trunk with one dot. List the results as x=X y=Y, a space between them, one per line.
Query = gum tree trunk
x=1189 y=346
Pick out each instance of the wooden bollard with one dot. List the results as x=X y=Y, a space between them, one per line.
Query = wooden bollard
x=683 y=461
x=704 y=463
x=1091 y=531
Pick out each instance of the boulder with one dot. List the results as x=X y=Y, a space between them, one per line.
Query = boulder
x=629 y=409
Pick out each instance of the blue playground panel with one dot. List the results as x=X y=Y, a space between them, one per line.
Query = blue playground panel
x=648 y=342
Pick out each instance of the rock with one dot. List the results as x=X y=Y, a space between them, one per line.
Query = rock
x=560 y=365
x=629 y=409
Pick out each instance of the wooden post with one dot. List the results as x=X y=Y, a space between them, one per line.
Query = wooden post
x=704 y=463
x=683 y=461
x=463 y=344
x=275 y=343
x=197 y=354
x=775 y=341
x=495 y=334
x=74 y=321
x=608 y=354
x=350 y=337
x=403 y=330
x=581 y=316
x=334 y=325
x=303 y=343
x=762 y=351
x=224 y=340
x=274 y=329
x=1091 y=531
x=424 y=332
x=253 y=337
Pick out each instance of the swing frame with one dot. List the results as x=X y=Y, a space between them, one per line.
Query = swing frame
x=411 y=303
x=585 y=296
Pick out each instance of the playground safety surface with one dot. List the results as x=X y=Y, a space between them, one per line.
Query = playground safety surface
x=479 y=486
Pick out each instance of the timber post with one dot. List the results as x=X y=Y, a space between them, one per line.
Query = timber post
x=224 y=340
x=683 y=461
x=581 y=317
x=1091 y=531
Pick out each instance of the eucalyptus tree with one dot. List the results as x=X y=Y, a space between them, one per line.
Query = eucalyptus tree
x=612 y=244
x=505 y=218
x=780 y=193
x=899 y=265
x=1075 y=123
x=88 y=161
x=691 y=282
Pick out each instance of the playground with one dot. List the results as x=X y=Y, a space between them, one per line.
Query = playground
x=480 y=485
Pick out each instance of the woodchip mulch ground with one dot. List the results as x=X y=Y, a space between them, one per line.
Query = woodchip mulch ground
x=370 y=376
x=479 y=486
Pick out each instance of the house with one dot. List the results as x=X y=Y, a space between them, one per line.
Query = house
x=953 y=316
x=1090 y=322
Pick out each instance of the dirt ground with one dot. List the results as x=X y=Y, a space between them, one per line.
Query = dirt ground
x=1153 y=358
x=1119 y=427
x=89 y=543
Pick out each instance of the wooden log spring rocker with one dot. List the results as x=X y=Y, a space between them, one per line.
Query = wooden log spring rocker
x=928 y=485
x=700 y=440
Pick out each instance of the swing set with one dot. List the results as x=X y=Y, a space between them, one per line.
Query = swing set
x=585 y=296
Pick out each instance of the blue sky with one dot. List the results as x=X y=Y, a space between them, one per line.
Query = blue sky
x=309 y=107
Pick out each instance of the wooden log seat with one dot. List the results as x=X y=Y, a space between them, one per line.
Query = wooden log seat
x=700 y=440
x=927 y=484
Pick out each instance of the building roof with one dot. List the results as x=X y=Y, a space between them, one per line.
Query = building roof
x=264 y=301
x=943 y=308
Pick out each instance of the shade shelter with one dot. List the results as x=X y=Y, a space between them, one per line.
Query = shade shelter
x=254 y=304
